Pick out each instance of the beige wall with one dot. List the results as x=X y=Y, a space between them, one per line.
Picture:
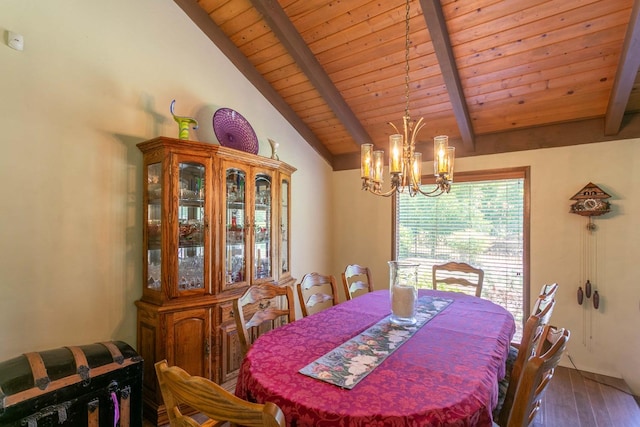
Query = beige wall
x=95 y=78
x=604 y=341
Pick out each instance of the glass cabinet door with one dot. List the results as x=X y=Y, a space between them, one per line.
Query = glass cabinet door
x=191 y=223
x=262 y=219
x=284 y=226
x=235 y=223
x=154 y=226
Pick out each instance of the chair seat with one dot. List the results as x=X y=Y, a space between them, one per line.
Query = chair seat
x=503 y=384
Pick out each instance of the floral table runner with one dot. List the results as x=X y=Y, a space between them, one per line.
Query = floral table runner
x=353 y=360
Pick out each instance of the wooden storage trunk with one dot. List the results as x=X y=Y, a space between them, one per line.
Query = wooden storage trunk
x=91 y=385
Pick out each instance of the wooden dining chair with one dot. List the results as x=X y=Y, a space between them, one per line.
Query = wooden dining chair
x=536 y=375
x=531 y=336
x=546 y=297
x=316 y=292
x=210 y=399
x=356 y=280
x=458 y=276
x=260 y=307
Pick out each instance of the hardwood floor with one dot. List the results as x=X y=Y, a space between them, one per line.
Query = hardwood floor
x=573 y=399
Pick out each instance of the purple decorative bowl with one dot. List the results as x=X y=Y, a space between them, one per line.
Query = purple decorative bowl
x=234 y=131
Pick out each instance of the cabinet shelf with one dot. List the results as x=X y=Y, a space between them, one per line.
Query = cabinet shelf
x=191 y=202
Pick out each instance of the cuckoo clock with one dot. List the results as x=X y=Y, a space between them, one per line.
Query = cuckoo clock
x=590 y=201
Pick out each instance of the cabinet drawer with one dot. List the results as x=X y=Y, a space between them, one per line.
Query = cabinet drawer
x=226 y=312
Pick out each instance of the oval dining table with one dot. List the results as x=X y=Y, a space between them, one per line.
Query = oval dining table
x=445 y=374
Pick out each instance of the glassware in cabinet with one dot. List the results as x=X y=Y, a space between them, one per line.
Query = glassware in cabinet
x=262 y=229
x=177 y=208
x=192 y=225
x=235 y=226
x=285 y=195
x=248 y=255
x=154 y=226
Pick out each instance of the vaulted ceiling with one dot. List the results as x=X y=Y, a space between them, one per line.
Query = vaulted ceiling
x=494 y=75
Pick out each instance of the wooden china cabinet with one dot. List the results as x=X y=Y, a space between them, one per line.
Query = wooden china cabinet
x=217 y=220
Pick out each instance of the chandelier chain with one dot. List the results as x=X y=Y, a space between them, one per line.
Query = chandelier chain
x=406 y=59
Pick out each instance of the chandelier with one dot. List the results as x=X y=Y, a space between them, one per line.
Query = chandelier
x=405 y=164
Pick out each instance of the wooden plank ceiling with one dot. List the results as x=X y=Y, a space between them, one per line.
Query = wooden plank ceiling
x=494 y=75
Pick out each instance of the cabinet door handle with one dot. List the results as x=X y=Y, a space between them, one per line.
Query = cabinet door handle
x=207 y=348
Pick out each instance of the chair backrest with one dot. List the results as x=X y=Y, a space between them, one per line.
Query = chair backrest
x=457 y=276
x=261 y=304
x=536 y=375
x=356 y=280
x=549 y=290
x=531 y=336
x=547 y=294
x=208 y=398
x=316 y=292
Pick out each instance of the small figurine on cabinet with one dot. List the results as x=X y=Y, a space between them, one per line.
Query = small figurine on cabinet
x=183 y=123
x=274 y=149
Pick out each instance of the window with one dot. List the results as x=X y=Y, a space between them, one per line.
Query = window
x=483 y=221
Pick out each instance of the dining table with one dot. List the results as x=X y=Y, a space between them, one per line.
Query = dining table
x=444 y=372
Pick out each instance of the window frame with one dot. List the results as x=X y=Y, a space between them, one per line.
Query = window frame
x=522 y=172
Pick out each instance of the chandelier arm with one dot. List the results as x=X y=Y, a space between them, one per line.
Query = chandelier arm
x=418 y=127
x=434 y=193
x=391 y=192
x=394 y=127
x=440 y=188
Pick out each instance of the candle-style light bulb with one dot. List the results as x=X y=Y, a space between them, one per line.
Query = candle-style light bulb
x=365 y=159
x=440 y=146
x=451 y=155
x=395 y=153
x=378 y=165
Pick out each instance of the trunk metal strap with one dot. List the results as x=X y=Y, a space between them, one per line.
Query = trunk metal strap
x=40 y=376
x=82 y=365
x=116 y=354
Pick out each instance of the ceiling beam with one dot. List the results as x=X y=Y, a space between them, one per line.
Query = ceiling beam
x=625 y=75
x=540 y=137
x=217 y=36
x=291 y=39
x=432 y=11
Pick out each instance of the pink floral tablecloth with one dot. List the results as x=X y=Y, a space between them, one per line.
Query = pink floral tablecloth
x=444 y=375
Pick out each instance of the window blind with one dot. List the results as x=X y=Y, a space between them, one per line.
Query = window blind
x=480 y=222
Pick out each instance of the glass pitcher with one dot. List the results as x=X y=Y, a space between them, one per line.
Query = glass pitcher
x=403 y=289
